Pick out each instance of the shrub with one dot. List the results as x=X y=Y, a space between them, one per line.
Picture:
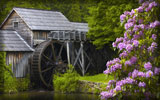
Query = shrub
x=10 y=83
x=22 y=84
x=67 y=82
x=137 y=68
x=2 y=65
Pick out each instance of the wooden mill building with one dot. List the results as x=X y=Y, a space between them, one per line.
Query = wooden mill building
x=39 y=40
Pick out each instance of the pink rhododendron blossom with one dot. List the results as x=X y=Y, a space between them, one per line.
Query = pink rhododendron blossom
x=148 y=66
x=138 y=54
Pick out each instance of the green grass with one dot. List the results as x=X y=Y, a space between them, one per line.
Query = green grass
x=97 y=78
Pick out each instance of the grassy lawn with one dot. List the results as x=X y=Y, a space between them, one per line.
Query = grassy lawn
x=97 y=78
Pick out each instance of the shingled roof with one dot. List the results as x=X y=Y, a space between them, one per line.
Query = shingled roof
x=83 y=27
x=12 y=41
x=47 y=20
x=42 y=19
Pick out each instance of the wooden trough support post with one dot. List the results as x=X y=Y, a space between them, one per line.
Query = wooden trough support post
x=68 y=52
x=80 y=58
x=83 y=63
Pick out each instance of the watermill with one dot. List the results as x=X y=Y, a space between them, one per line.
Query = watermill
x=62 y=48
x=42 y=41
x=47 y=56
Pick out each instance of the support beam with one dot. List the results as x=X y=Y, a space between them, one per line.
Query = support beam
x=87 y=67
x=80 y=62
x=68 y=53
x=78 y=55
x=83 y=63
x=72 y=53
x=88 y=58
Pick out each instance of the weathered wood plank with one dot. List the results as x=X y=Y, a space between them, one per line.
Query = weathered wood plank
x=16 y=60
x=68 y=53
x=22 y=29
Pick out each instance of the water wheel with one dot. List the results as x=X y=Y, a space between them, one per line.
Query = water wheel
x=47 y=56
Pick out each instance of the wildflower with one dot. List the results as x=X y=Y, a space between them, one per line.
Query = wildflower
x=118 y=88
x=149 y=74
x=109 y=63
x=114 y=44
x=154 y=44
x=154 y=36
x=123 y=54
x=126 y=13
x=106 y=95
x=128 y=25
x=121 y=46
x=129 y=80
x=136 y=36
x=122 y=17
x=135 y=43
x=116 y=60
x=128 y=63
x=132 y=12
x=148 y=66
x=136 y=28
x=142 y=26
x=142 y=84
x=106 y=71
x=152 y=47
x=118 y=66
x=108 y=87
x=129 y=74
x=135 y=73
x=119 y=39
x=145 y=4
x=133 y=60
x=154 y=24
x=140 y=33
x=130 y=20
x=111 y=82
x=141 y=74
x=156 y=71
x=129 y=47
x=153 y=4
x=140 y=9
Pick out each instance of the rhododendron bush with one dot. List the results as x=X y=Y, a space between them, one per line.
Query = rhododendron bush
x=137 y=68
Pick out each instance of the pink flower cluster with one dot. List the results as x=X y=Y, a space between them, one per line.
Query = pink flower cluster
x=113 y=65
x=134 y=40
x=137 y=73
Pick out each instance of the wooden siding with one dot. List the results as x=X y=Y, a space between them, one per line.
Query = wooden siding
x=40 y=35
x=22 y=29
x=19 y=62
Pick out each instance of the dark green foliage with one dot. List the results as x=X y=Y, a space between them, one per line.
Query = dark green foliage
x=103 y=16
x=66 y=83
x=104 y=21
x=74 y=10
x=22 y=84
x=9 y=4
x=8 y=83
x=2 y=65
x=13 y=84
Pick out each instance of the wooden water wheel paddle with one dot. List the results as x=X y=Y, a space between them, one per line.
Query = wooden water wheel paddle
x=46 y=57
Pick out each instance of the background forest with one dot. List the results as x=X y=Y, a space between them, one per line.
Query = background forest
x=101 y=15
